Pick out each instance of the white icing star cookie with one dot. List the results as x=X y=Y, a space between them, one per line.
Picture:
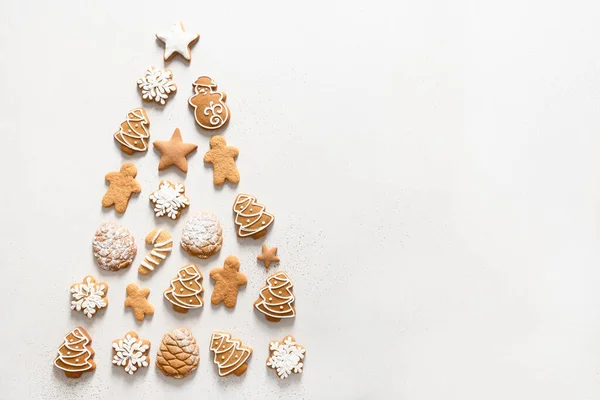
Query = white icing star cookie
x=177 y=41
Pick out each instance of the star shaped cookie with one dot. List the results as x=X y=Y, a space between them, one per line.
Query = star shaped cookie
x=137 y=300
x=174 y=152
x=177 y=40
x=268 y=255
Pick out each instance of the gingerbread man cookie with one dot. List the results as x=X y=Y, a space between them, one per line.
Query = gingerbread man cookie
x=210 y=109
x=227 y=282
x=121 y=185
x=222 y=158
x=137 y=299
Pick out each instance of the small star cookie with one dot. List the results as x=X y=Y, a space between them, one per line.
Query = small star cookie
x=137 y=300
x=174 y=152
x=121 y=185
x=227 y=282
x=268 y=255
x=177 y=40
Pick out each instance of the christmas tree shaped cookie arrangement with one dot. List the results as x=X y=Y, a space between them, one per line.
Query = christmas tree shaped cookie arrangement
x=75 y=355
x=185 y=292
x=230 y=355
x=276 y=299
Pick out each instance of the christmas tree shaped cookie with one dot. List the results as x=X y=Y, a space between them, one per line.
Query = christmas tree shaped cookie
x=133 y=134
x=75 y=355
x=276 y=298
x=230 y=354
x=185 y=292
x=251 y=217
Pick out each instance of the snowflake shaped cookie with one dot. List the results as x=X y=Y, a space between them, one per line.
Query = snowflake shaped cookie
x=286 y=357
x=131 y=352
x=89 y=296
x=169 y=199
x=156 y=85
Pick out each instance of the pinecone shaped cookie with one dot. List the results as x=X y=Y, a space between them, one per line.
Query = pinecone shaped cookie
x=114 y=246
x=202 y=235
x=178 y=355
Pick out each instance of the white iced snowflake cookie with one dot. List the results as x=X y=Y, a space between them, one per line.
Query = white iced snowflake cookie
x=89 y=296
x=169 y=199
x=156 y=85
x=131 y=352
x=114 y=246
x=177 y=40
x=286 y=357
x=202 y=235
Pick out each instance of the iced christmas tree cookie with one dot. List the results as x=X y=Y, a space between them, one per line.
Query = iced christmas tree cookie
x=114 y=246
x=227 y=282
x=222 y=157
x=185 y=291
x=178 y=355
x=162 y=244
x=210 y=109
x=251 y=217
x=137 y=299
x=169 y=199
x=75 y=355
x=133 y=133
x=202 y=235
x=131 y=352
x=286 y=357
x=89 y=296
x=121 y=185
x=156 y=85
x=177 y=40
x=276 y=299
x=230 y=355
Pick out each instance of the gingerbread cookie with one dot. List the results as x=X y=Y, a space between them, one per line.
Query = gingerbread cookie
x=169 y=199
x=251 y=217
x=202 y=235
x=121 y=185
x=177 y=40
x=75 y=355
x=185 y=292
x=178 y=355
x=227 y=282
x=137 y=299
x=230 y=355
x=162 y=244
x=174 y=152
x=156 y=85
x=133 y=133
x=131 y=352
x=89 y=296
x=286 y=357
x=210 y=109
x=114 y=247
x=276 y=299
x=268 y=256
x=222 y=157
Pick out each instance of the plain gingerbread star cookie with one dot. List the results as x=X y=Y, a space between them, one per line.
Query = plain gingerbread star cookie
x=222 y=158
x=227 y=282
x=174 y=152
x=121 y=186
x=177 y=40
x=137 y=299
x=268 y=255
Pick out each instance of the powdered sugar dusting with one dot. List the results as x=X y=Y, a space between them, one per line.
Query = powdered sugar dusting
x=114 y=246
x=202 y=235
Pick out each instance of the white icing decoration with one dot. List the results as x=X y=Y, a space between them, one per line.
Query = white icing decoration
x=88 y=297
x=159 y=247
x=83 y=366
x=137 y=115
x=169 y=199
x=130 y=353
x=227 y=344
x=273 y=308
x=186 y=280
x=286 y=358
x=218 y=113
x=156 y=85
x=246 y=217
x=177 y=41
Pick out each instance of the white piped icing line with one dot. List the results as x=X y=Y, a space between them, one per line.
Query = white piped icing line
x=73 y=355
x=280 y=297
x=88 y=296
x=248 y=215
x=156 y=85
x=159 y=251
x=169 y=199
x=210 y=110
x=134 y=128
x=130 y=353
x=188 y=278
x=229 y=353
x=286 y=357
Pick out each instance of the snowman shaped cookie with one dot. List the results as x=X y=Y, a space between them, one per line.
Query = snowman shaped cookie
x=210 y=109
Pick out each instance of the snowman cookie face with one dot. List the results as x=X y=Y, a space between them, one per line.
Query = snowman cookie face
x=210 y=110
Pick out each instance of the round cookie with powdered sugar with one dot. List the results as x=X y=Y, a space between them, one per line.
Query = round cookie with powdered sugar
x=202 y=235
x=113 y=246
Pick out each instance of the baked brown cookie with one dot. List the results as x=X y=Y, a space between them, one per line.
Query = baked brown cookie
x=276 y=299
x=131 y=352
x=178 y=354
x=185 y=291
x=174 y=152
x=268 y=256
x=251 y=217
x=230 y=355
x=222 y=157
x=137 y=299
x=202 y=235
x=121 y=185
x=227 y=282
x=75 y=355
x=114 y=246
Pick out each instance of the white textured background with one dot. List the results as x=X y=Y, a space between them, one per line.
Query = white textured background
x=433 y=167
